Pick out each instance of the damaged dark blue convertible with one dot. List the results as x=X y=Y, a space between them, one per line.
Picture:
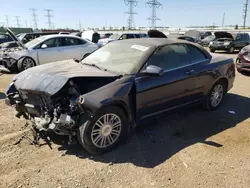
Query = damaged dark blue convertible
x=118 y=86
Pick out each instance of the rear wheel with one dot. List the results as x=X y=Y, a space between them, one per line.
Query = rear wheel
x=26 y=63
x=105 y=131
x=215 y=96
x=231 y=50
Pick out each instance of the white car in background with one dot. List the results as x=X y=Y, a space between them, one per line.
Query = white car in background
x=103 y=42
x=46 y=49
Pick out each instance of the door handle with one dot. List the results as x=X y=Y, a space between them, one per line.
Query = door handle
x=189 y=72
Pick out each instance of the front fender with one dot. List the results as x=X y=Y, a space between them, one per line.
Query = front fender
x=115 y=94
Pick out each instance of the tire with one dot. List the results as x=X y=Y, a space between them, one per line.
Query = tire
x=26 y=63
x=231 y=49
x=88 y=133
x=209 y=102
x=212 y=50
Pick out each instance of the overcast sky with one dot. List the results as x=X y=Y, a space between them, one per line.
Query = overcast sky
x=99 y=13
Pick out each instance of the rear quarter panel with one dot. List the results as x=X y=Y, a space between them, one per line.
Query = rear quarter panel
x=219 y=67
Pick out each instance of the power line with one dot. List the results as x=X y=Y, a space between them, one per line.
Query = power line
x=223 y=20
x=17 y=21
x=154 y=4
x=245 y=14
x=7 y=20
x=130 y=12
x=34 y=17
x=49 y=16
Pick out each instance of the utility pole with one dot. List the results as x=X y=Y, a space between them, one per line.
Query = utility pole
x=245 y=14
x=154 y=4
x=7 y=20
x=49 y=16
x=80 y=26
x=26 y=25
x=130 y=12
x=34 y=17
x=17 y=21
x=223 y=19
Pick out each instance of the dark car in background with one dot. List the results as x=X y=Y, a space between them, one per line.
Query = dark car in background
x=5 y=38
x=118 y=86
x=229 y=41
x=243 y=60
x=24 y=38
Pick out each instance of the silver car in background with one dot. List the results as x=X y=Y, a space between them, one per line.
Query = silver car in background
x=46 y=49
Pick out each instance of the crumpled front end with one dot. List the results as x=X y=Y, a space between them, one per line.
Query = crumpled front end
x=59 y=112
x=47 y=113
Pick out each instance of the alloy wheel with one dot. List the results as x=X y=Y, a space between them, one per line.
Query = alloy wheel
x=106 y=130
x=217 y=95
x=28 y=63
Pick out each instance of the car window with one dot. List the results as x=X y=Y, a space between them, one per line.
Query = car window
x=130 y=36
x=137 y=36
x=238 y=37
x=3 y=37
x=195 y=54
x=170 y=57
x=72 y=41
x=54 y=42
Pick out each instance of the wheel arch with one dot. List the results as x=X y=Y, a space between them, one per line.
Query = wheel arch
x=22 y=58
x=224 y=80
x=119 y=104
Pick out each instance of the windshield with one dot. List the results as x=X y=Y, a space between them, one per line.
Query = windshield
x=34 y=42
x=117 y=57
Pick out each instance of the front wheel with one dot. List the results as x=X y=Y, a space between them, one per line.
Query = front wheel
x=26 y=63
x=104 y=131
x=215 y=96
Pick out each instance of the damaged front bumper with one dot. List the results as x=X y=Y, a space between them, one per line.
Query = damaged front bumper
x=44 y=117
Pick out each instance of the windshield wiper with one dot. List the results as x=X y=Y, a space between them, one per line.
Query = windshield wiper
x=94 y=65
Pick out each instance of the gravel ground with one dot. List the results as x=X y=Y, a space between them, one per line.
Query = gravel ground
x=192 y=148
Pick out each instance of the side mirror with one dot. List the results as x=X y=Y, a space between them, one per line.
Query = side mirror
x=153 y=70
x=44 y=46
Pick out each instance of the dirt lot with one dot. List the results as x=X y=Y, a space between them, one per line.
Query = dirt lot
x=193 y=148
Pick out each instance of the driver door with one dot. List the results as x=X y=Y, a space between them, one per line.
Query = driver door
x=157 y=94
x=52 y=52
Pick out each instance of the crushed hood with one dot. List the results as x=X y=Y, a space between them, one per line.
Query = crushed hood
x=12 y=35
x=220 y=34
x=50 y=78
